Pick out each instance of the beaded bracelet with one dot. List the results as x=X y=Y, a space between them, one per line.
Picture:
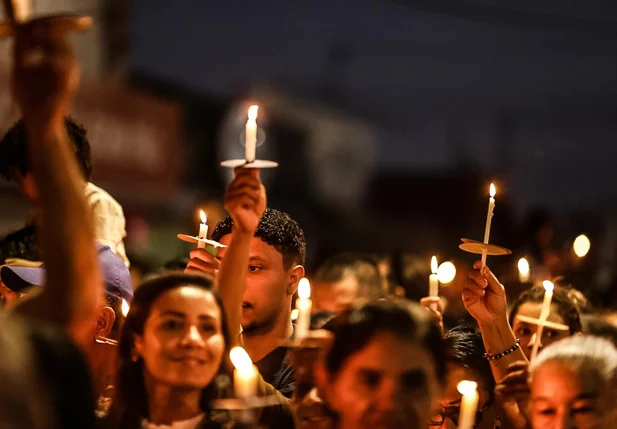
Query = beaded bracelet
x=506 y=353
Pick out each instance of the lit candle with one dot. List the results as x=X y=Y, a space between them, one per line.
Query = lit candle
x=489 y=219
x=303 y=305
x=245 y=373
x=469 y=404
x=433 y=281
x=19 y=9
x=203 y=230
x=544 y=313
x=250 y=141
x=523 y=270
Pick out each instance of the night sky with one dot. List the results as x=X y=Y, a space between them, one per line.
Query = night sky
x=436 y=79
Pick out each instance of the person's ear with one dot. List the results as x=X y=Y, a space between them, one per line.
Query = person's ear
x=105 y=322
x=295 y=274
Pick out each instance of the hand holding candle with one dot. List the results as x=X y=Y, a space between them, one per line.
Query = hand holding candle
x=433 y=281
x=489 y=219
x=544 y=313
x=469 y=404
x=250 y=138
x=304 y=306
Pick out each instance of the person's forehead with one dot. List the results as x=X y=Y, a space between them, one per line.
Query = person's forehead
x=189 y=300
x=390 y=354
x=533 y=309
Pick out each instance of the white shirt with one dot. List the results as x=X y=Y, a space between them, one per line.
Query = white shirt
x=108 y=219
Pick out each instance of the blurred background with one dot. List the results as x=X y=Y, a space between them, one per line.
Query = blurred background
x=389 y=120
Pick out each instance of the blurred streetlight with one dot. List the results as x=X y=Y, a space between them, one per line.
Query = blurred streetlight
x=581 y=246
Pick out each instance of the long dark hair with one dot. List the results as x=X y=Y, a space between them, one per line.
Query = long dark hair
x=356 y=327
x=566 y=307
x=130 y=403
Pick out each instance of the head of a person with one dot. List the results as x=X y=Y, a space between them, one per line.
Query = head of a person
x=528 y=305
x=465 y=361
x=598 y=326
x=14 y=164
x=385 y=367
x=176 y=338
x=276 y=259
x=573 y=384
x=23 y=280
x=345 y=277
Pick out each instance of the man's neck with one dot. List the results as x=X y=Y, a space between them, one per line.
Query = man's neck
x=261 y=344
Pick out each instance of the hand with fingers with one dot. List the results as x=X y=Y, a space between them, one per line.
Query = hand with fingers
x=245 y=200
x=202 y=262
x=435 y=309
x=484 y=296
x=513 y=394
x=46 y=73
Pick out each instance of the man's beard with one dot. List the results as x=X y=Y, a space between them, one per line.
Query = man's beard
x=260 y=327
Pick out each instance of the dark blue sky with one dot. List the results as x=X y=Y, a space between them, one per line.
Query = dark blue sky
x=423 y=73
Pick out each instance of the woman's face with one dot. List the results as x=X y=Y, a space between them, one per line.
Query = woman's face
x=560 y=398
x=390 y=383
x=527 y=331
x=182 y=344
x=450 y=400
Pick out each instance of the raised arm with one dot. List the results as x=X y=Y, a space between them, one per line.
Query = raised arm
x=485 y=299
x=45 y=77
x=245 y=200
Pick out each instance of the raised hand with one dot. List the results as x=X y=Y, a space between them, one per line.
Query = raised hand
x=245 y=200
x=202 y=262
x=45 y=74
x=484 y=297
x=513 y=394
x=433 y=306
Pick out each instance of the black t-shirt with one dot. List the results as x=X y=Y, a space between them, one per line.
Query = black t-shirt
x=276 y=369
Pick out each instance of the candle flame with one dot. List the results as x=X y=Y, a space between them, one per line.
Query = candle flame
x=434 y=266
x=304 y=288
x=548 y=285
x=446 y=272
x=202 y=215
x=493 y=191
x=240 y=359
x=125 y=307
x=467 y=387
x=294 y=314
x=253 y=112
x=581 y=246
x=523 y=266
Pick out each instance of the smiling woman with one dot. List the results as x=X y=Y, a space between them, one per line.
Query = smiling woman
x=171 y=349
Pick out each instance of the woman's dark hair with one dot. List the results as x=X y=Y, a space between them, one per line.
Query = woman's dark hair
x=357 y=326
x=130 y=403
x=566 y=308
x=465 y=348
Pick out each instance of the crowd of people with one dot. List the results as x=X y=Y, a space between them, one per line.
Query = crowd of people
x=84 y=347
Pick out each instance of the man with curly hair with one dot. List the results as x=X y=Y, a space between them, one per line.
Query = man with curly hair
x=259 y=275
x=108 y=216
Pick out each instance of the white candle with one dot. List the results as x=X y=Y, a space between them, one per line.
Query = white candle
x=544 y=313
x=524 y=271
x=304 y=306
x=203 y=230
x=250 y=140
x=469 y=404
x=433 y=281
x=245 y=373
x=489 y=219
